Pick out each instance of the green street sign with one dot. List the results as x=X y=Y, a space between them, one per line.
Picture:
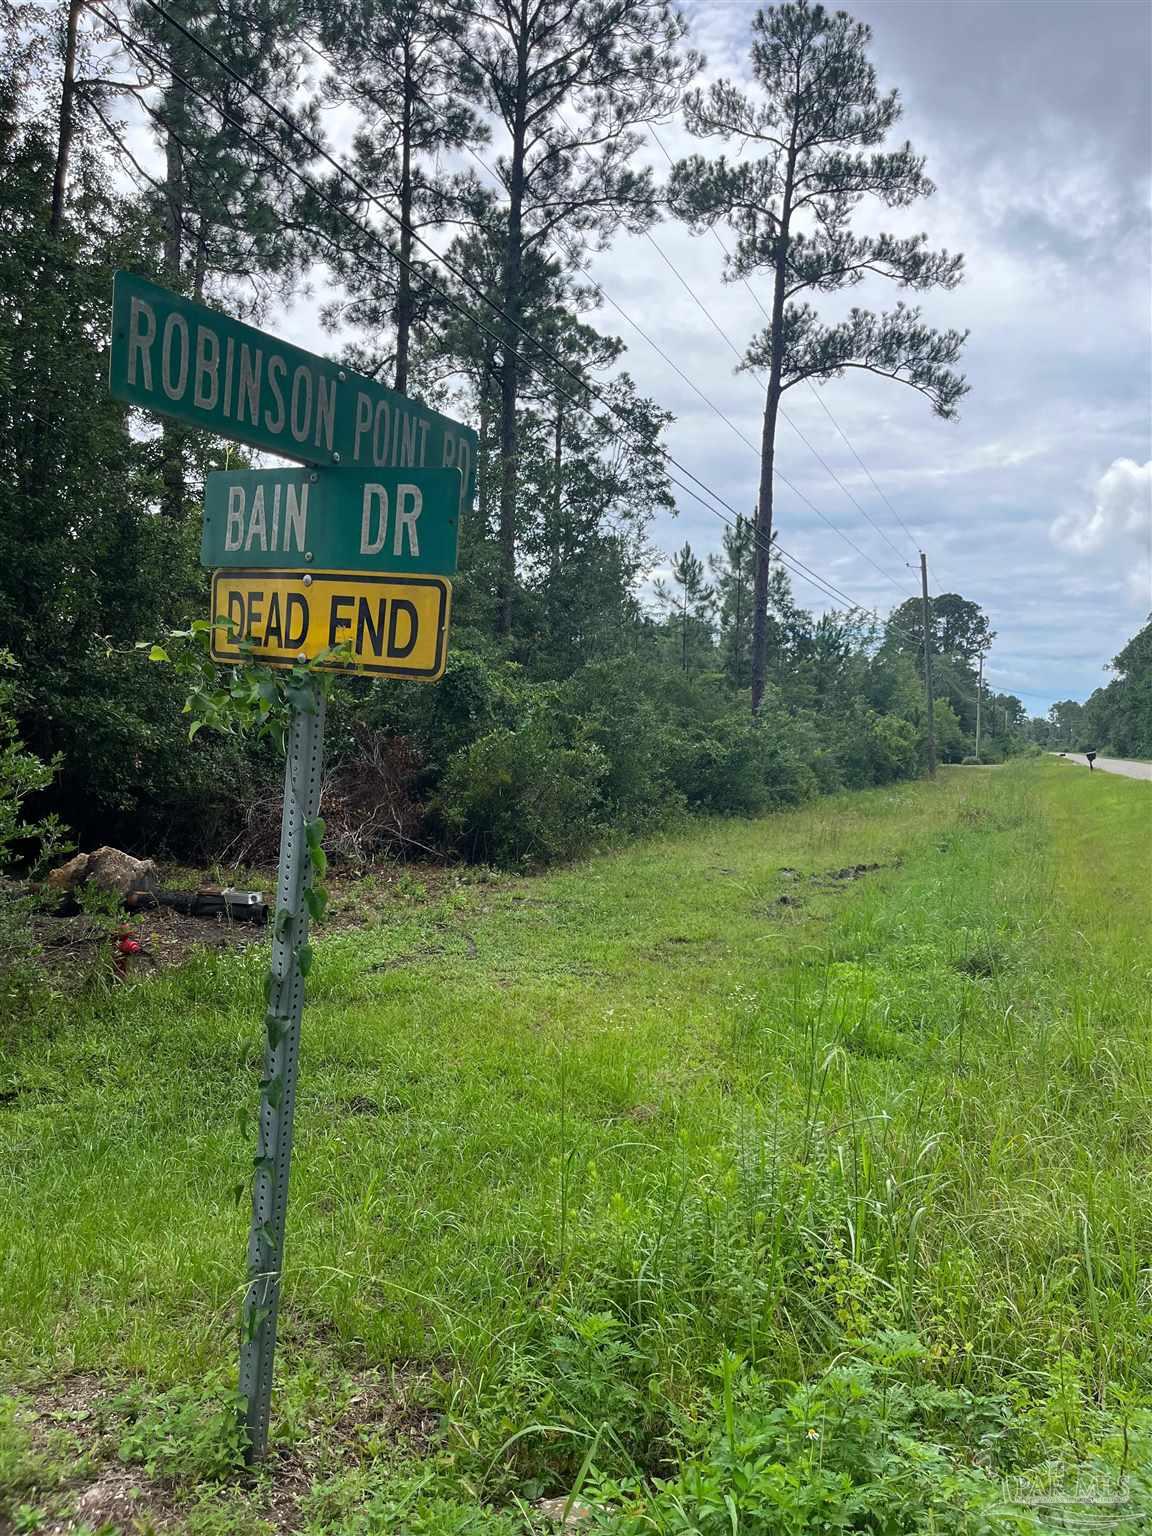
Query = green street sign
x=401 y=520
x=185 y=360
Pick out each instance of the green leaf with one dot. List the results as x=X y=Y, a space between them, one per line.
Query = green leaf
x=301 y=699
x=314 y=831
x=318 y=860
x=304 y=958
x=274 y=1091
x=316 y=900
x=284 y=921
x=158 y=653
x=194 y=727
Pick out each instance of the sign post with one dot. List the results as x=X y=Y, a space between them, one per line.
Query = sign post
x=343 y=564
x=302 y=774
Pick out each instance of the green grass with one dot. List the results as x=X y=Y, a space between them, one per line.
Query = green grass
x=582 y=1159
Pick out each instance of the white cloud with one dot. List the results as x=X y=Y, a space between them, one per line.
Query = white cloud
x=1119 y=522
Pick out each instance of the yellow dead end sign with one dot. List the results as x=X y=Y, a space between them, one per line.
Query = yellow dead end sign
x=382 y=625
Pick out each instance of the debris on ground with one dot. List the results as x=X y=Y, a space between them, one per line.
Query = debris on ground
x=109 y=869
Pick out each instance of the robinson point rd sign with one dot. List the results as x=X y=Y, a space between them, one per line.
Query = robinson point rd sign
x=182 y=359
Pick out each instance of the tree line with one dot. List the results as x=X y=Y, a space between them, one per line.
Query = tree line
x=488 y=149
x=1115 y=719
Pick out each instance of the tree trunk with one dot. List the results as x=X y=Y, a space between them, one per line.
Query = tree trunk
x=175 y=112
x=510 y=363
x=763 y=533
x=557 y=471
x=404 y=303
x=200 y=265
x=482 y=497
x=67 y=121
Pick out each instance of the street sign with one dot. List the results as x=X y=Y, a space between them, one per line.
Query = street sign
x=396 y=520
x=387 y=484
x=182 y=359
x=387 y=625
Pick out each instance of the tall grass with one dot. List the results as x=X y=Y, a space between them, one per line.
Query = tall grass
x=572 y=1146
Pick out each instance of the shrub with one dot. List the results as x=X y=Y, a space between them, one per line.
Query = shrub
x=28 y=842
x=742 y=767
x=863 y=1447
x=611 y=707
x=516 y=797
x=878 y=749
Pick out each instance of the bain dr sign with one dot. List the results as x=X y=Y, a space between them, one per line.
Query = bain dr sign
x=333 y=519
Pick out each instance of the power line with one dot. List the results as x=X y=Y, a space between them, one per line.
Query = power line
x=791 y=561
x=364 y=191
x=146 y=50
x=723 y=334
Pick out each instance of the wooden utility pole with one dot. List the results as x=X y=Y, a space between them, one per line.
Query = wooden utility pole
x=979 y=700
x=929 y=705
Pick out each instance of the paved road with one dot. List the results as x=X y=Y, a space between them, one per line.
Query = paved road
x=1115 y=765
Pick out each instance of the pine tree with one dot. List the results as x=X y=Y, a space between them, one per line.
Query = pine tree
x=733 y=574
x=692 y=605
x=614 y=65
x=395 y=62
x=225 y=210
x=817 y=123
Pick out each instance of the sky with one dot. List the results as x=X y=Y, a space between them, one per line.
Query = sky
x=1036 y=121
x=1037 y=502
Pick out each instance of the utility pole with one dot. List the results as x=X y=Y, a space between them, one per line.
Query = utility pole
x=979 y=699
x=927 y=610
x=739 y=585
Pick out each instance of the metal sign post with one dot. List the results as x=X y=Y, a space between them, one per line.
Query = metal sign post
x=281 y=1059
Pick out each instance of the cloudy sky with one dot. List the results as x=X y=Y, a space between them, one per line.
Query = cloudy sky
x=1037 y=503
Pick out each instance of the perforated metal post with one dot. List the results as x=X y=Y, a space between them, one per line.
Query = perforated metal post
x=278 y=1090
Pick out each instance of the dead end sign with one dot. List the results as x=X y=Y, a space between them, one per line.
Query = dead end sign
x=381 y=625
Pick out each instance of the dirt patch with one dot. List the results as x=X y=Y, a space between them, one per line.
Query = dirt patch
x=116 y=1498
x=850 y=872
x=75 y=950
x=75 y=1424
x=78 y=949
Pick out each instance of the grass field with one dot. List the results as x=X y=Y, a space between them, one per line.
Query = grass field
x=721 y=1182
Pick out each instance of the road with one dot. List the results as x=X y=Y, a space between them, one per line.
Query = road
x=1122 y=765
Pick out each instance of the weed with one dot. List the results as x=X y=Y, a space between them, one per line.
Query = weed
x=185 y=1435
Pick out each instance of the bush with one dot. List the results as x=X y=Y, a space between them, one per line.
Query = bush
x=863 y=1447
x=743 y=767
x=517 y=798
x=28 y=843
x=611 y=707
x=878 y=749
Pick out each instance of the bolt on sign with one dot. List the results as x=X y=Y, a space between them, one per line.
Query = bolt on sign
x=344 y=565
x=381 y=625
x=182 y=359
x=395 y=520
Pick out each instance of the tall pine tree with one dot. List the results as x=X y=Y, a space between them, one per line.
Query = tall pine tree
x=817 y=122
